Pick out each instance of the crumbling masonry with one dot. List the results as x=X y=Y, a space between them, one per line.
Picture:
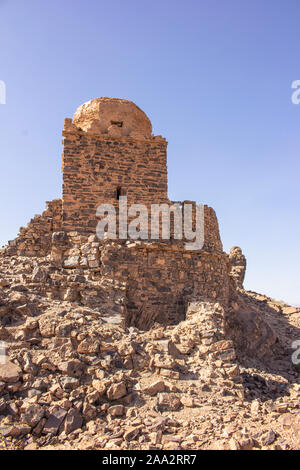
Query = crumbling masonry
x=108 y=151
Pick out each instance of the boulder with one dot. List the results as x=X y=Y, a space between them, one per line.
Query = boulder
x=116 y=391
x=10 y=372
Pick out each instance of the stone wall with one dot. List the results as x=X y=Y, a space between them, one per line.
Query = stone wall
x=35 y=238
x=97 y=169
x=108 y=152
x=162 y=278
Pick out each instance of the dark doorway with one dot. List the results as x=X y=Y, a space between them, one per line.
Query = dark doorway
x=119 y=192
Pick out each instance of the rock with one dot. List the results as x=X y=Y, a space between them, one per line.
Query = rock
x=4 y=283
x=89 y=346
x=12 y=408
x=116 y=391
x=4 y=310
x=73 y=368
x=4 y=334
x=71 y=294
x=163 y=362
x=59 y=238
x=168 y=402
x=159 y=424
x=55 y=420
x=93 y=397
x=233 y=371
x=155 y=387
x=225 y=356
x=132 y=433
x=255 y=407
x=40 y=384
x=10 y=372
x=71 y=262
x=281 y=407
x=33 y=415
x=246 y=444
x=31 y=324
x=99 y=386
x=31 y=446
x=64 y=329
x=5 y=431
x=47 y=326
x=233 y=444
x=73 y=421
x=39 y=275
x=187 y=401
x=117 y=410
x=290 y=310
x=69 y=383
x=37 y=431
x=16 y=430
x=221 y=346
x=17 y=298
x=238 y=265
x=126 y=349
x=269 y=438
x=173 y=350
x=28 y=366
x=89 y=411
x=3 y=404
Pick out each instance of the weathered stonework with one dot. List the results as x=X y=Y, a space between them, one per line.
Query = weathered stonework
x=122 y=344
x=35 y=238
x=161 y=279
x=107 y=154
x=109 y=151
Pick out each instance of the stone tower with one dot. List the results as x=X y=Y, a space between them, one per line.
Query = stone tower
x=109 y=151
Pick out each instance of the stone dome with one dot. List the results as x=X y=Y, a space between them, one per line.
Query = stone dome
x=114 y=117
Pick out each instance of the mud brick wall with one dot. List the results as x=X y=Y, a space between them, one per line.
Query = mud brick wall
x=97 y=167
x=161 y=279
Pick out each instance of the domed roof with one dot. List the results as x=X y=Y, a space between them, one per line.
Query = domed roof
x=113 y=116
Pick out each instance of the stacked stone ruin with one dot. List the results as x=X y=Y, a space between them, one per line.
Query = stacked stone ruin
x=99 y=336
x=109 y=150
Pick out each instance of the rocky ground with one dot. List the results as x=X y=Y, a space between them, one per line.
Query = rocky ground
x=75 y=378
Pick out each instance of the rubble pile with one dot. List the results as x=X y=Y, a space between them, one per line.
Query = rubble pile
x=76 y=376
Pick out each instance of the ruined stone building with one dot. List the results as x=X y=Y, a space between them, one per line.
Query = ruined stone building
x=108 y=151
x=141 y=335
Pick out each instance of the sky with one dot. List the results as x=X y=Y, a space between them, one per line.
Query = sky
x=214 y=77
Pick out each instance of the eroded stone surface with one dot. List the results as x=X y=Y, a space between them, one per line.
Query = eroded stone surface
x=136 y=344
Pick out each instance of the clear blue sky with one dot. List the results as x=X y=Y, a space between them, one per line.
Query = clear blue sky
x=214 y=76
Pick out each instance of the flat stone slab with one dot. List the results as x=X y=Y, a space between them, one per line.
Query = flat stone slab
x=54 y=421
x=113 y=319
x=10 y=372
